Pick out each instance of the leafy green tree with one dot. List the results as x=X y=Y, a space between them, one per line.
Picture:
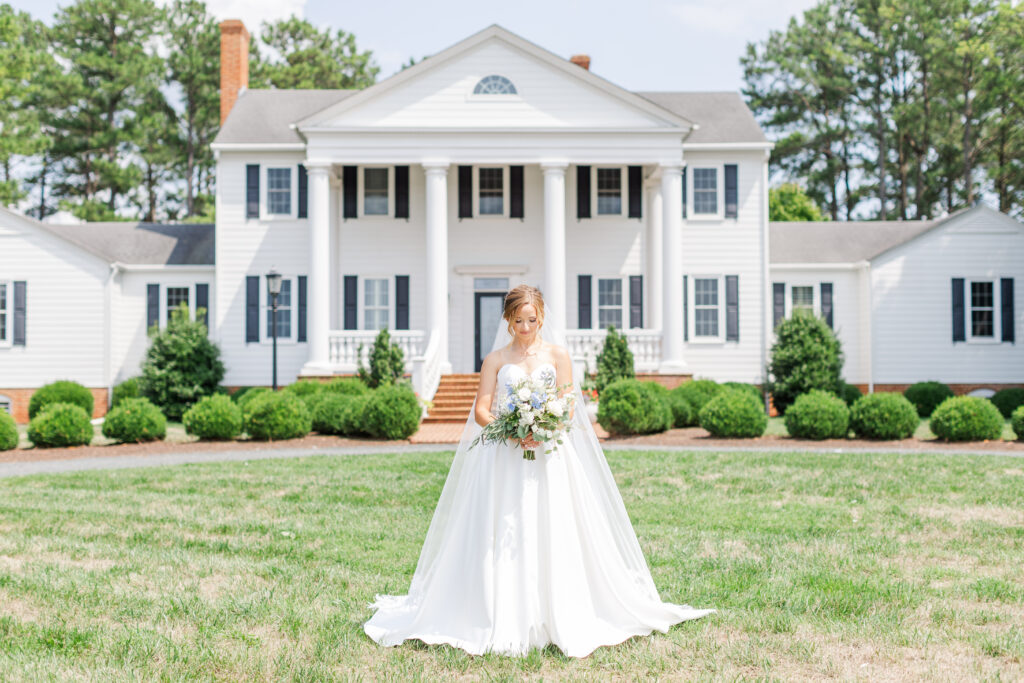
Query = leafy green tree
x=788 y=202
x=806 y=355
x=296 y=54
x=387 y=362
x=615 y=361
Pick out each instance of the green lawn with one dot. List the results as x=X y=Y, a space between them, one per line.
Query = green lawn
x=856 y=566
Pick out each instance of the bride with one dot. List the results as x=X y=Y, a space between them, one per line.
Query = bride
x=523 y=553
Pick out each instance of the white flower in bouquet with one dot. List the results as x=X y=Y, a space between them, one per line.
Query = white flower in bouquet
x=555 y=408
x=524 y=394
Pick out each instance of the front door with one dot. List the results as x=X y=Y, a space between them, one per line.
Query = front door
x=487 y=307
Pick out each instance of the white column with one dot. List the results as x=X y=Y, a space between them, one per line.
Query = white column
x=554 y=242
x=672 y=269
x=437 y=257
x=318 y=300
x=654 y=258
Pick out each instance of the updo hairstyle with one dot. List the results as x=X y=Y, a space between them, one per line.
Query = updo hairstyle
x=518 y=297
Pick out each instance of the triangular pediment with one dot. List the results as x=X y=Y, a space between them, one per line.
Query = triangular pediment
x=551 y=93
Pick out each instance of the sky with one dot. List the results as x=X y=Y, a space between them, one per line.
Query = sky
x=641 y=45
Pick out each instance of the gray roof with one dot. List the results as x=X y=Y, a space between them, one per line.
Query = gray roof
x=265 y=116
x=189 y=244
x=840 y=241
x=721 y=116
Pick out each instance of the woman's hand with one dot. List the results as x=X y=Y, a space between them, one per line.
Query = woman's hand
x=527 y=443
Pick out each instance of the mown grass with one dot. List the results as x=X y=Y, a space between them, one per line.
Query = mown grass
x=855 y=566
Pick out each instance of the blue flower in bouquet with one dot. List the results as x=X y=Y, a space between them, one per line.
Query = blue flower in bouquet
x=537 y=401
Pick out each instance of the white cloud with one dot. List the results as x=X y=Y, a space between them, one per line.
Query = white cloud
x=737 y=18
x=255 y=12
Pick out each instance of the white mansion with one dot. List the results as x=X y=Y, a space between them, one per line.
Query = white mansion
x=416 y=203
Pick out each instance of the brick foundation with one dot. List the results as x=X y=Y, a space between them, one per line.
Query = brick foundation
x=21 y=397
x=958 y=389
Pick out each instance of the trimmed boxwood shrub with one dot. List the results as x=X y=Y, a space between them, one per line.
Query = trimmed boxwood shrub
x=392 y=411
x=331 y=412
x=135 y=420
x=350 y=386
x=615 y=361
x=849 y=393
x=59 y=425
x=214 y=418
x=926 y=396
x=8 y=432
x=61 y=391
x=629 y=406
x=1008 y=400
x=683 y=414
x=806 y=355
x=733 y=413
x=1017 y=423
x=126 y=389
x=743 y=386
x=250 y=395
x=966 y=418
x=884 y=415
x=305 y=388
x=818 y=415
x=697 y=392
x=276 y=415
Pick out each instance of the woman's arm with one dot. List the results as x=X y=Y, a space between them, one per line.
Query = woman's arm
x=485 y=391
x=563 y=373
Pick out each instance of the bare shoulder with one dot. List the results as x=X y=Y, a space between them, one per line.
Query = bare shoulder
x=559 y=353
x=492 y=362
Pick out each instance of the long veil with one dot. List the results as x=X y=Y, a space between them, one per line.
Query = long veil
x=458 y=495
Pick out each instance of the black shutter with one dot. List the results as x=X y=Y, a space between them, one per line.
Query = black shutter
x=349 y=183
x=584 y=302
x=252 y=308
x=636 y=185
x=152 y=306
x=778 y=303
x=402 y=192
x=686 y=319
x=732 y=308
x=582 y=192
x=303 y=192
x=350 y=296
x=401 y=302
x=684 y=193
x=515 y=189
x=732 y=191
x=826 y=302
x=203 y=301
x=252 y=191
x=959 y=333
x=636 y=300
x=302 y=309
x=20 y=312
x=1007 y=306
x=465 y=191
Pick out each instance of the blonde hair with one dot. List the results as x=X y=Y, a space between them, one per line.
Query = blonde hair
x=518 y=297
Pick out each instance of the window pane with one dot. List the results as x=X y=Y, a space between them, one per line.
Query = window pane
x=375 y=318
x=705 y=190
x=284 y=312
x=3 y=297
x=609 y=292
x=609 y=316
x=982 y=324
x=494 y=85
x=176 y=296
x=491 y=193
x=3 y=327
x=279 y=190
x=490 y=283
x=705 y=307
x=376 y=292
x=981 y=294
x=375 y=191
x=803 y=299
x=705 y=292
x=609 y=191
x=706 y=322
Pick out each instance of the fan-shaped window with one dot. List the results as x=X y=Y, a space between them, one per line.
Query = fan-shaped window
x=494 y=85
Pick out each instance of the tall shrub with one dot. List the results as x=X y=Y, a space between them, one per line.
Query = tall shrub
x=806 y=355
x=182 y=365
x=615 y=361
x=387 y=362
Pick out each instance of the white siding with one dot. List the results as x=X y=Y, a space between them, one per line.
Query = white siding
x=65 y=308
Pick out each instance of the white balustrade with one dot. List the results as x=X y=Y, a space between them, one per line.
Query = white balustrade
x=426 y=369
x=344 y=354
x=645 y=345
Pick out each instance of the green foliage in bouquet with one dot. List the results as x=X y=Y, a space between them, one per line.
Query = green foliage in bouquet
x=135 y=420
x=806 y=355
x=614 y=362
x=126 y=389
x=926 y=396
x=392 y=412
x=884 y=415
x=276 y=415
x=214 y=418
x=8 y=432
x=59 y=425
x=628 y=406
x=387 y=362
x=1008 y=400
x=966 y=418
x=61 y=391
x=818 y=415
x=733 y=413
x=182 y=365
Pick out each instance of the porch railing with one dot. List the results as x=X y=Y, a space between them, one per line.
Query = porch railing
x=426 y=370
x=584 y=345
x=343 y=347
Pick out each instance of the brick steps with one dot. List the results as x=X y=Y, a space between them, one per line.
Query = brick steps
x=453 y=399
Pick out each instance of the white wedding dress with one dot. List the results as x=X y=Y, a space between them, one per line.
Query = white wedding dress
x=524 y=553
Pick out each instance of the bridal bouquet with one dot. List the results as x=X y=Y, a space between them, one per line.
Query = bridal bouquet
x=529 y=406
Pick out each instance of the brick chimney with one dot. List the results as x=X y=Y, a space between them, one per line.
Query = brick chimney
x=581 y=60
x=234 y=64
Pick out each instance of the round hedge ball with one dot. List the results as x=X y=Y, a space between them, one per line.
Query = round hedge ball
x=1008 y=400
x=276 y=415
x=392 y=411
x=59 y=425
x=1017 y=423
x=214 y=418
x=629 y=406
x=135 y=420
x=733 y=413
x=818 y=415
x=8 y=432
x=884 y=415
x=331 y=415
x=926 y=396
x=967 y=418
x=352 y=386
x=61 y=391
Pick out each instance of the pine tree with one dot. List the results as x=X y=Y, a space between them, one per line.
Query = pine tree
x=615 y=361
x=297 y=54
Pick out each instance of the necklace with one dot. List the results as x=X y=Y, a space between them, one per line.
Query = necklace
x=527 y=352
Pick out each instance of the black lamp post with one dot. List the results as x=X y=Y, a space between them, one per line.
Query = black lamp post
x=273 y=290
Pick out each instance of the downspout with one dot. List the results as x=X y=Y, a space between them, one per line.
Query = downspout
x=765 y=284
x=108 y=317
x=865 y=274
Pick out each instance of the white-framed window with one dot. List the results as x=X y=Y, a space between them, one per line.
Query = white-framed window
x=175 y=296
x=609 y=191
x=6 y=308
x=707 y=307
x=491 y=191
x=704 y=191
x=285 y=308
x=279 y=191
x=610 y=303
x=375 y=191
x=981 y=316
x=6 y=404
x=801 y=299
x=175 y=293
x=376 y=308
x=494 y=84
